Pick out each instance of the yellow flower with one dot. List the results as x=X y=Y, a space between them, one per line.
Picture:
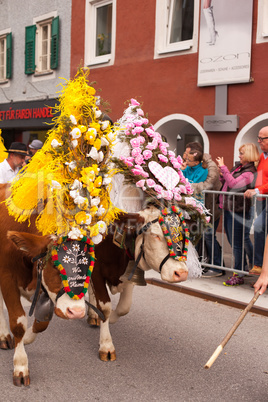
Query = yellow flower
x=95 y=125
x=83 y=129
x=97 y=144
x=95 y=192
x=88 y=175
x=91 y=135
x=94 y=230
x=81 y=217
x=93 y=210
x=98 y=181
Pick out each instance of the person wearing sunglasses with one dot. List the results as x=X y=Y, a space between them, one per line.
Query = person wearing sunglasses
x=261 y=187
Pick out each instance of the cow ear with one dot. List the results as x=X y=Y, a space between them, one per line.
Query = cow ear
x=29 y=243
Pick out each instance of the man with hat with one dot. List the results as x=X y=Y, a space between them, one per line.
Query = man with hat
x=34 y=147
x=15 y=160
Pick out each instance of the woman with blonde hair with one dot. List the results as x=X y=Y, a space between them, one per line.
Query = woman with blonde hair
x=238 y=214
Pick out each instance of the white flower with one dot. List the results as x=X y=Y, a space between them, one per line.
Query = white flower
x=97 y=239
x=100 y=211
x=94 y=154
x=105 y=125
x=92 y=131
x=73 y=120
x=74 y=193
x=79 y=200
x=102 y=226
x=76 y=185
x=94 y=202
x=111 y=136
x=89 y=219
x=75 y=133
x=104 y=142
x=55 y=144
x=75 y=234
x=98 y=99
x=55 y=184
x=106 y=181
x=74 y=143
x=72 y=165
x=97 y=113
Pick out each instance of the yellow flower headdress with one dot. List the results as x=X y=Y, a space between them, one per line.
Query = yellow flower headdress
x=67 y=182
x=3 y=151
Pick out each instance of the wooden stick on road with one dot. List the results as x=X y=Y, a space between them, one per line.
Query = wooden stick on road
x=231 y=332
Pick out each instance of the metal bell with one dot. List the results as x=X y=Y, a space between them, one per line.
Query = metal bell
x=44 y=308
x=138 y=276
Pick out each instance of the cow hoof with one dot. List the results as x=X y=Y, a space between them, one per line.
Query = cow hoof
x=93 y=322
x=20 y=380
x=107 y=356
x=8 y=343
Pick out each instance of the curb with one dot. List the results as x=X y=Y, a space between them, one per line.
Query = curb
x=208 y=296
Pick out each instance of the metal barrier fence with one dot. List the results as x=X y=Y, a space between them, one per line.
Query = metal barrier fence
x=220 y=247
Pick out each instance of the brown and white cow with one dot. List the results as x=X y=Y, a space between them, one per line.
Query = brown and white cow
x=19 y=243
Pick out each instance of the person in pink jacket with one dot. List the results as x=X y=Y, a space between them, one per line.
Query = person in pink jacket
x=237 y=210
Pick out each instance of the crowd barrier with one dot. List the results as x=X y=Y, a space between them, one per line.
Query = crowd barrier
x=227 y=260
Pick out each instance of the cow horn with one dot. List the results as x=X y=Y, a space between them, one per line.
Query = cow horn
x=137 y=277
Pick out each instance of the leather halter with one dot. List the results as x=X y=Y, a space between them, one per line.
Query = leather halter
x=141 y=253
x=39 y=285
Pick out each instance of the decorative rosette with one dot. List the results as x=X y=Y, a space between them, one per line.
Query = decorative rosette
x=67 y=183
x=152 y=166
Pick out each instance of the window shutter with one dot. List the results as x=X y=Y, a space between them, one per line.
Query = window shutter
x=54 y=43
x=30 y=49
x=9 y=55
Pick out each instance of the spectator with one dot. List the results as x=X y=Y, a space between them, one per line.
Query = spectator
x=236 y=219
x=261 y=187
x=33 y=148
x=15 y=160
x=195 y=171
x=212 y=182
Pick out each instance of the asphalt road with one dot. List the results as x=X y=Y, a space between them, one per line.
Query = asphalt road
x=161 y=345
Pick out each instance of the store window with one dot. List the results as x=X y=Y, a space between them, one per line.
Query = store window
x=100 y=31
x=5 y=56
x=176 y=26
x=42 y=46
x=262 y=24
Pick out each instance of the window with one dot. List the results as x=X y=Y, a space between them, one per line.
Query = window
x=41 y=46
x=262 y=24
x=5 y=56
x=100 y=31
x=176 y=26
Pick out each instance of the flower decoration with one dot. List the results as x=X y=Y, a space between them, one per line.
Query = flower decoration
x=152 y=166
x=68 y=182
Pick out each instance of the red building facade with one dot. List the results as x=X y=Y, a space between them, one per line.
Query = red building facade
x=166 y=81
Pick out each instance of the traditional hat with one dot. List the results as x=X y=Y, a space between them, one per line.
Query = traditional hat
x=36 y=144
x=18 y=148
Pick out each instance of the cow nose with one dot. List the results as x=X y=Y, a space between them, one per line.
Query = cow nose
x=75 y=313
x=180 y=275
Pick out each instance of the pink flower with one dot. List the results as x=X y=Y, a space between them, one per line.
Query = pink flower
x=168 y=195
x=158 y=137
x=129 y=125
x=177 y=197
x=152 y=145
x=137 y=130
x=163 y=149
x=128 y=161
x=145 y=121
x=135 y=142
x=140 y=112
x=138 y=171
x=149 y=132
x=188 y=188
x=208 y=219
x=147 y=154
x=150 y=183
x=141 y=139
x=171 y=154
x=135 y=152
x=158 y=189
x=182 y=189
x=134 y=102
x=162 y=158
x=179 y=159
x=141 y=184
x=139 y=160
x=138 y=123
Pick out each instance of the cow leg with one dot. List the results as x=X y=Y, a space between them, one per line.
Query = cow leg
x=18 y=326
x=32 y=332
x=124 y=304
x=106 y=349
x=6 y=342
x=93 y=318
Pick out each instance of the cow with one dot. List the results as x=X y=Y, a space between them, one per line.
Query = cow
x=20 y=244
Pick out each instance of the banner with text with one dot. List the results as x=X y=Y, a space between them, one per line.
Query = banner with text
x=225 y=42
